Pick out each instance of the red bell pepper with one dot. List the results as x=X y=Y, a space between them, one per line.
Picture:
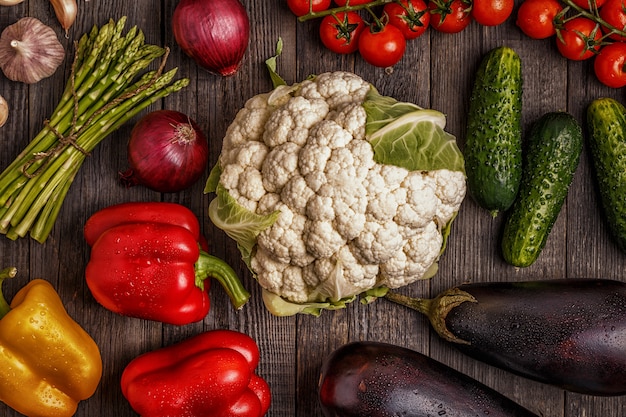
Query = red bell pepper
x=211 y=374
x=146 y=262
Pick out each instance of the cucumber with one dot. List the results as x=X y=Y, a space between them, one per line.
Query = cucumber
x=554 y=146
x=493 y=143
x=606 y=122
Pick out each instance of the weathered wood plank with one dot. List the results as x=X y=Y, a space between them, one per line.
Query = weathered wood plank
x=437 y=72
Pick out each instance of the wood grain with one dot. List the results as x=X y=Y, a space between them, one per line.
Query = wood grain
x=437 y=72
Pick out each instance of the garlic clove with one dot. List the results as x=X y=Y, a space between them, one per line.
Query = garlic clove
x=66 y=11
x=4 y=111
x=29 y=51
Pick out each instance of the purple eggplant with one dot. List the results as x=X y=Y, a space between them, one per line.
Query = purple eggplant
x=381 y=380
x=570 y=333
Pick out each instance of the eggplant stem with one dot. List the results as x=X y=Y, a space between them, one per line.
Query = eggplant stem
x=436 y=309
x=423 y=305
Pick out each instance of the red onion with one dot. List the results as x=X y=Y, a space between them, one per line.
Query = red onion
x=214 y=33
x=167 y=152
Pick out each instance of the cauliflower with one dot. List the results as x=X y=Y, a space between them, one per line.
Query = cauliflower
x=332 y=190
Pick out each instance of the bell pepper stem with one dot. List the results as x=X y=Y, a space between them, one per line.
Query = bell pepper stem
x=214 y=267
x=9 y=272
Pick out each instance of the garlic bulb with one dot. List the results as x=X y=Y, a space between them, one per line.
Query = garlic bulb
x=29 y=51
x=10 y=2
x=4 y=111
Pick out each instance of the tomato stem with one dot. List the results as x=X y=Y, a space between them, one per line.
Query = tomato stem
x=593 y=15
x=346 y=8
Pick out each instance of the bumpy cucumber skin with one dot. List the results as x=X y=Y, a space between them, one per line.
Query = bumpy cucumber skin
x=554 y=146
x=493 y=143
x=606 y=122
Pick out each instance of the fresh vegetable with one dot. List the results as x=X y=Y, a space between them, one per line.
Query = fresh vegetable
x=302 y=7
x=167 y=152
x=378 y=379
x=570 y=333
x=491 y=12
x=493 y=143
x=331 y=190
x=551 y=158
x=146 y=262
x=606 y=123
x=449 y=16
x=106 y=88
x=412 y=17
x=614 y=14
x=579 y=39
x=382 y=45
x=10 y=2
x=210 y=374
x=340 y=32
x=610 y=65
x=536 y=17
x=214 y=33
x=65 y=11
x=29 y=51
x=49 y=363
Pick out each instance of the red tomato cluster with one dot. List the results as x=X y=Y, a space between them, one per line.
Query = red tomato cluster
x=382 y=42
x=594 y=31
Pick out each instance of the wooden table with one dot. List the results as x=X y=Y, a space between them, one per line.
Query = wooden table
x=436 y=72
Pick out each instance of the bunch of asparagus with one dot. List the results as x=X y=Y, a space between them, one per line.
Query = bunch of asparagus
x=107 y=87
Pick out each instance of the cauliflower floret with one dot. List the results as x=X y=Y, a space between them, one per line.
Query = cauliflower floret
x=351 y=117
x=420 y=205
x=378 y=242
x=336 y=88
x=280 y=166
x=249 y=123
x=280 y=278
x=296 y=194
x=322 y=239
x=313 y=157
x=382 y=185
x=284 y=240
x=414 y=260
x=291 y=123
x=450 y=188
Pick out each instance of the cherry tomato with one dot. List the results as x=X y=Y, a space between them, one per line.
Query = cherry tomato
x=585 y=3
x=342 y=3
x=536 y=17
x=382 y=47
x=492 y=12
x=410 y=16
x=610 y=65
x=302 y=7
x=580 y=39
x=340 y=32
x=449 y=16
x=614 y=13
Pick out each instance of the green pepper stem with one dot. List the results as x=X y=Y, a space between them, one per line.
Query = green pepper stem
x=214 y=267
x=9 y=272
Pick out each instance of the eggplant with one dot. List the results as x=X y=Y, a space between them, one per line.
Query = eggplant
x=569 y=333
x=377 y=379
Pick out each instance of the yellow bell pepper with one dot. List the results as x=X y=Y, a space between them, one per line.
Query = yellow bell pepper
x=48 y=363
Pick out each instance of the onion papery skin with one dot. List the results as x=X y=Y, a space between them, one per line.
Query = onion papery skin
x=214 y=33
x=167 y=152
